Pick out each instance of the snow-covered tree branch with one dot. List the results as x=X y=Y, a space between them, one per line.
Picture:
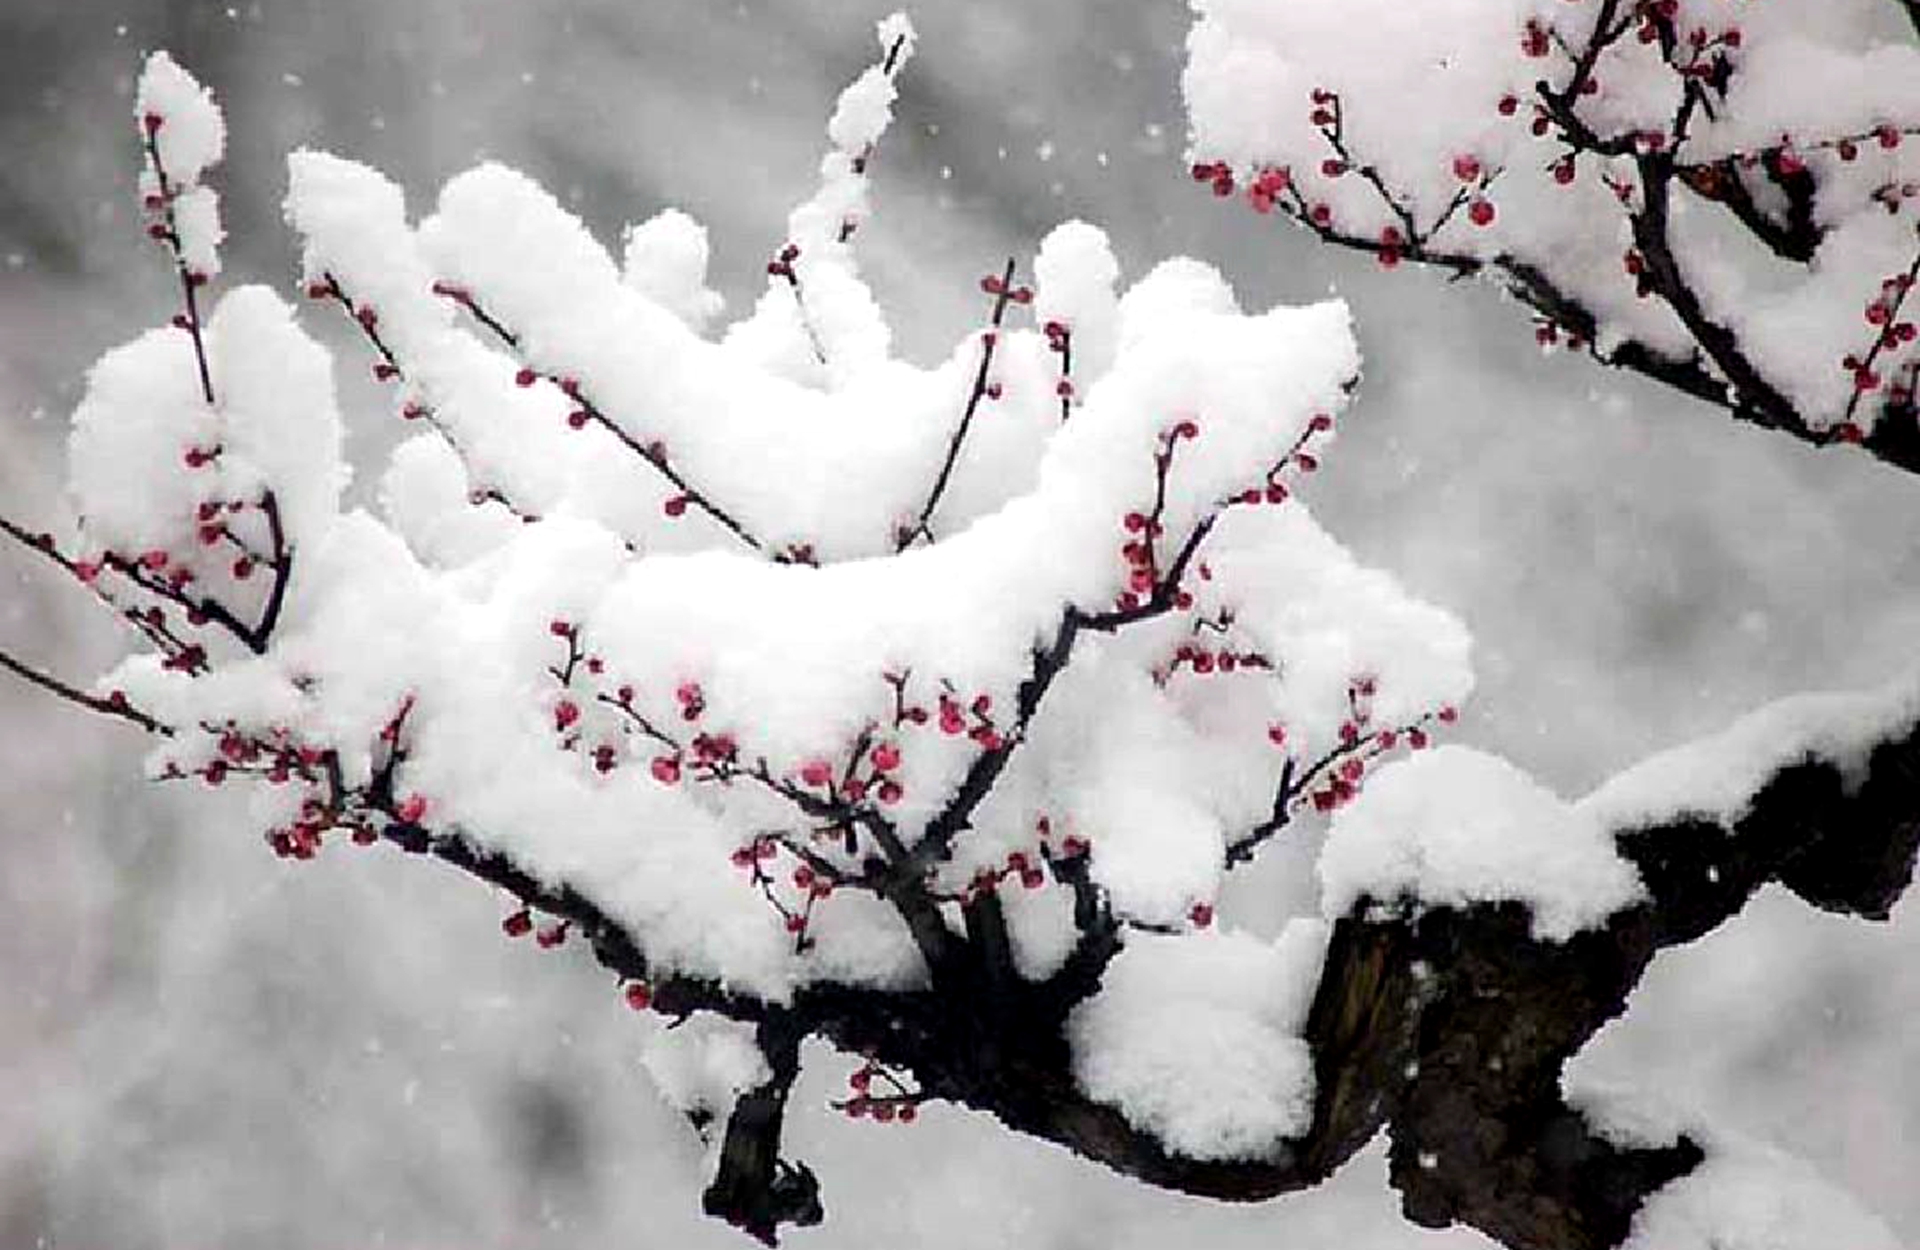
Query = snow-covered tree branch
x=1719 y=197
x=924 y=710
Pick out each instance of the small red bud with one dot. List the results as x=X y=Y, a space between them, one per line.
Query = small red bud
x=519 y=924
x=639 y=997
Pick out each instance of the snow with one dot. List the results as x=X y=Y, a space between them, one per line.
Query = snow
x=819 y=324
x=587 y=455
x=864 y=111
x=666 y=260
x=1456 y=826
x=1749 y=1196
x=1073 y=277
x=447 y=600
x=1196 y=1039
x=443 y=604
x=196 y=215
x=704 y=1064
x=1799 y=77
x=188 y=134
x=274 y=422
x=1716 y=778
x=192 y=133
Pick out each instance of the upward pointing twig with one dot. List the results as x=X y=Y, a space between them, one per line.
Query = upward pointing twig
x=921 y=526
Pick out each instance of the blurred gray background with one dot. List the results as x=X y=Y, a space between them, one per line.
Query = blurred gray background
x=201 y=1047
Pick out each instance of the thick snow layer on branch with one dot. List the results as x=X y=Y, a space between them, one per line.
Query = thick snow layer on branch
x=635 y=614
x=513 y=439
x=864 y=111
x=1457 y=826
x=1484 y=167
x=196 y=216
x=704 y=1064
x=185 y=134
x=1197 y=1040
x=152 y=464
x=1748 y=1196
x=818 y=323
x=791 y=661
x=666 y=260
x=191 y=134
x=1325 y=619
x=1717 y=778
x=1074 y=276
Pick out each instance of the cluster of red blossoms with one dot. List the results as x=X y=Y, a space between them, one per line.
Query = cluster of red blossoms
x=1892 y=333
x=897 y=1103
x=757 y=859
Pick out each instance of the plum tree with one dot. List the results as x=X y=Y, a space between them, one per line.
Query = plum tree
x=1720 y=197
x=923 y=711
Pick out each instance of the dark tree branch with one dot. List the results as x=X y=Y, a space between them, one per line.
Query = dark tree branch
x=653 y=454
x=1795 y=239
x=753 y=1188
x=114 y=705
x=1669 y=281
x=990 y=340
x=167 y=230
x=1448 y=1027
x=391 y=368
x=1720 y=372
